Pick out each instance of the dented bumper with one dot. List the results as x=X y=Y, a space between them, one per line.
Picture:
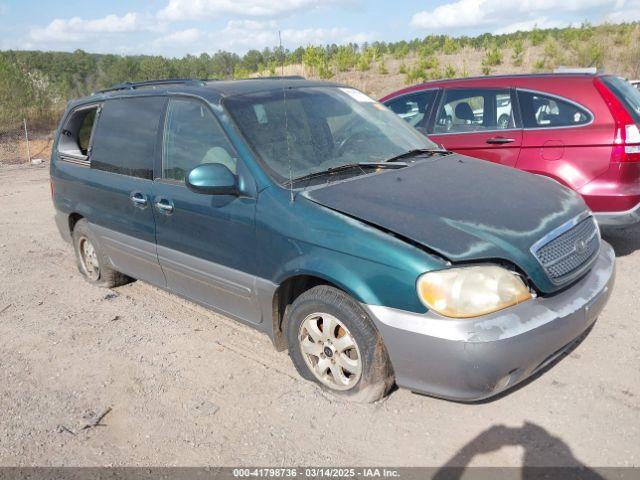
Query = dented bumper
x=473 y=359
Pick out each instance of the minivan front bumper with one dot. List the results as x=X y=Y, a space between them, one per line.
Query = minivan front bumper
x=473 y=359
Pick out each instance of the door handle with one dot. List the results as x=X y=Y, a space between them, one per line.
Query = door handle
x=164 y=205
x=139 y=199
x=500 y=140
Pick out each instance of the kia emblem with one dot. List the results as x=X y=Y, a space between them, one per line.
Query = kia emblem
x=581 y=247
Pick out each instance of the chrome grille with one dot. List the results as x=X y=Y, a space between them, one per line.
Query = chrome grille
x=570 y=250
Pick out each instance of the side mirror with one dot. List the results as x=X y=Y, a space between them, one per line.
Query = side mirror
x=212 y=179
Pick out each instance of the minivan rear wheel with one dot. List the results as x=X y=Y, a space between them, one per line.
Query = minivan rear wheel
x=91 y=263
x=333 y=342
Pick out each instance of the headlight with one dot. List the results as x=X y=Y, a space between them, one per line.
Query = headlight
x=471 y=291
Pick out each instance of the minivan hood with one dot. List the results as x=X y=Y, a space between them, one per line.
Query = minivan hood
x=460 y=208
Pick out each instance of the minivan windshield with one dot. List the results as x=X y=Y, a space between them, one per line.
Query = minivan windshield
x=627 y=94
x=301 y=131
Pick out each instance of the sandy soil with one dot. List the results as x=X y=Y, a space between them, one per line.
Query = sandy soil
x=13 y=147
x=189 y=387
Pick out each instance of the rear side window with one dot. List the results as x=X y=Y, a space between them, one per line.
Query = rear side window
x=546 y=111
x=627 y=94
x=412 y=107
x=126 y=134
x=75 y=136
x=474 y=110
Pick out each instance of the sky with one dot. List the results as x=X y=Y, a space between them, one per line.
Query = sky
x=177 y=27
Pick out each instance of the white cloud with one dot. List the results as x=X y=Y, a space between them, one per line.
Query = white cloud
x=526 y=6
x=76 y=29
x=625 y=11
x=360 y=37
x=477 y=13
x=181 y=37
x=540 y=22
x=241 y=35
x=463 y=13
x=199 y=9
x=621 y=16
x=313 y=36
x=129 y=33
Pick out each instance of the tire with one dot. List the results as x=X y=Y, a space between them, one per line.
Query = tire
x=352 y=355
x=91 y=262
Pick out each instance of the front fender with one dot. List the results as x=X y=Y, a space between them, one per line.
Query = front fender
x=331 y=272
x=305 y=238
x=366 y=281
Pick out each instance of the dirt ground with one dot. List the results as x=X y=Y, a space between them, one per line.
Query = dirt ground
x=189 y=387
x=14 y=151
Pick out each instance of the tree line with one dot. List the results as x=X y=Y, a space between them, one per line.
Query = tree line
x=36 y=85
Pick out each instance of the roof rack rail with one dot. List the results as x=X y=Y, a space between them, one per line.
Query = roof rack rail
x=578 y=70
x=151 y=83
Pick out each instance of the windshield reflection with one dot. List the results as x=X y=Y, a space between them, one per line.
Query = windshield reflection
x=300 y=131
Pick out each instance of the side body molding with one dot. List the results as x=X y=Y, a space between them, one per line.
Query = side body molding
x=130 y=255
x=237 y=294
x=242 y=296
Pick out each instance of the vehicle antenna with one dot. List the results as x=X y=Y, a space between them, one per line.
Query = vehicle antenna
x=286 y=122
x=281 y=54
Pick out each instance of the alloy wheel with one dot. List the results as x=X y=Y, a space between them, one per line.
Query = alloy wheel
x=89 y=259
x=330 y=351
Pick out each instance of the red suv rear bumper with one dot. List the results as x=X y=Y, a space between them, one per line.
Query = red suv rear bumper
x=614 y=196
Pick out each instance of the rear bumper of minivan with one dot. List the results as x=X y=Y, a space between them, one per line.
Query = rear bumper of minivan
x=62 y=222
x=473 y=359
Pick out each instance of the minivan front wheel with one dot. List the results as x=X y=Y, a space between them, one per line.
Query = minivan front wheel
x=333 y=342
x=91 y=263
x=89 y=259
x=330 y=351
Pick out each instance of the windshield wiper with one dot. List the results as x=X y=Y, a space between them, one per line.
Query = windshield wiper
x=416 y=152
x=341 y=168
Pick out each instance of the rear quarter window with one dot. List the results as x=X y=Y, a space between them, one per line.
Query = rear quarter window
x=540 y=110
x=126 y=135
x=75 y=135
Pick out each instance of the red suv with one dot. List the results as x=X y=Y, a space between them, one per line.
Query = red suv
x=581 y=130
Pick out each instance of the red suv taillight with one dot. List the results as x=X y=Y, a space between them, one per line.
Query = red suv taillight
x=626 y=142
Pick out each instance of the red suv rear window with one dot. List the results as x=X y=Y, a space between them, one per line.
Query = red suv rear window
x=628 y=95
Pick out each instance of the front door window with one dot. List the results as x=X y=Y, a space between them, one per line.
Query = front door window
x=192 y=137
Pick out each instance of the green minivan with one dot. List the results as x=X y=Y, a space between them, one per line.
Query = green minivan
x=312 y=213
